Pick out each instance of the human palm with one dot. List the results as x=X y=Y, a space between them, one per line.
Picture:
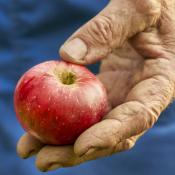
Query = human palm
x=119 y=72
x=139 y=77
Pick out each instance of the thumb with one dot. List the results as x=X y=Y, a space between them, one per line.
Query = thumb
x=120 y=20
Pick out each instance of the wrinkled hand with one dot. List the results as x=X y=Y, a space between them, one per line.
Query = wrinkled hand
x=137 y=38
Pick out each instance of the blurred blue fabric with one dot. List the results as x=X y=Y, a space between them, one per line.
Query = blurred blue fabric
x=31 y=31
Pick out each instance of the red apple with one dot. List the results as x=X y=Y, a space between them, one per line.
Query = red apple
x=56 y=101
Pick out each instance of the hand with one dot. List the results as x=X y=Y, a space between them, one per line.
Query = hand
x=137 y=39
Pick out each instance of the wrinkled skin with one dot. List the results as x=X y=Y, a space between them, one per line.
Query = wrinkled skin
x=138 y=73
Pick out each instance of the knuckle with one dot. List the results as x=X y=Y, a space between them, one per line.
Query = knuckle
x=142 y=117
x=158 y=95
x=154 y=113
x=125 y=145
x=166 y=88
x=158 y=66
x=149 y=7
x=149 y=116
x=101 y=29
x=128 y=144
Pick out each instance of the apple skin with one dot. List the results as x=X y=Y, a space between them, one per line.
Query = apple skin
x=54 y=112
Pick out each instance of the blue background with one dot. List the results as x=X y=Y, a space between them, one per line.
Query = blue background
x=31 y=31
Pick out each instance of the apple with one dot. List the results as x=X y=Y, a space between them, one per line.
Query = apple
x=56 y=101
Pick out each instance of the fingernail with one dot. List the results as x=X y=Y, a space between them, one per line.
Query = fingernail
x=75 y=49
x=54 y=166
x=27 y=154
x=90 y=151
